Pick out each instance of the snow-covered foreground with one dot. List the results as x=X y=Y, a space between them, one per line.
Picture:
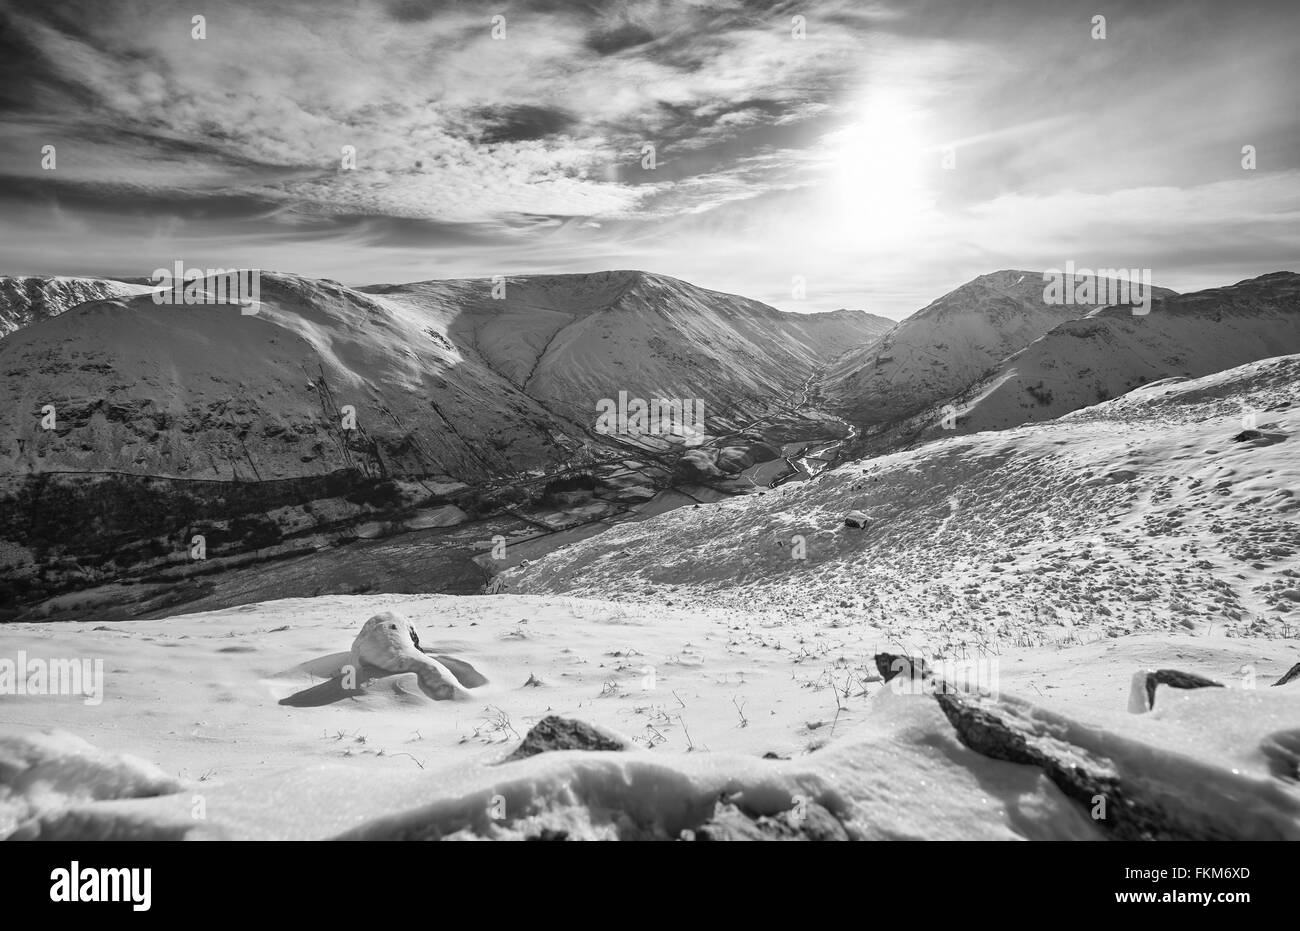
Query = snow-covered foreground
x=199 y=697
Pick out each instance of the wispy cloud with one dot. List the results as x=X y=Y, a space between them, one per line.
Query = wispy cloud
x=775 y=156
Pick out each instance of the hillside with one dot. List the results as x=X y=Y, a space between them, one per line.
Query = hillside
x=1148 y=512
x=944 y=347
x=1081 y=362
x=570 y=340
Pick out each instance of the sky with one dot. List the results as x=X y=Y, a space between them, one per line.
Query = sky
x=813 y=155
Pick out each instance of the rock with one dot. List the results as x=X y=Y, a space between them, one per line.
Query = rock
x=548 y=834
x=730 y=822
x=1282 y=751
x=556 y=733
x=1290 y=675
x=1077 y=762
x=890 y=665
x=1142 y=690
x=1258 y=438
x=856 y=519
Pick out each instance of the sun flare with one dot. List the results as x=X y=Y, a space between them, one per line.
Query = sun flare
x=877 y=186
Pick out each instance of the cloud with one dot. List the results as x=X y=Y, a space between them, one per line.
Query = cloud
x=774 y=156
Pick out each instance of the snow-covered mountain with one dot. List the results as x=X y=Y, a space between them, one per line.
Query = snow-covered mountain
x=944 y=347
x=443 y=379
x=1110 y=352
x=26 y=300
x=570 y=340
x=203 y=391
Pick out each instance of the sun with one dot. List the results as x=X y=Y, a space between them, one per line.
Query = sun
x=877 y=187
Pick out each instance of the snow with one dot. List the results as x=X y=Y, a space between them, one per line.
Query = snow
x=1140 y=514
x=199 y=695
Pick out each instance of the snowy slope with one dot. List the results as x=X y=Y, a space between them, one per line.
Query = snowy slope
x=1143 y=513
x=571 y=340
x=944 y=347
x=1111 y=351
x=26 y=300
x=194 y=700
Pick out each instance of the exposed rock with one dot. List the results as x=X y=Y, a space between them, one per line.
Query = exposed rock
x=556 y=733
x=1134 y=808
x=1258 y=438
x=1290 y=675
x=890 y=665
x=1282 y=751
x=548 y=834
x=856 y=519
x=1142 y=691
x=809 y=822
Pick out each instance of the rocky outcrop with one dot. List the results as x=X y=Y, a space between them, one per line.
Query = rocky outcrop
x=1089 y=766
x=807 y=821
x=556 y=733
x=890 y=665
x=1142 y=696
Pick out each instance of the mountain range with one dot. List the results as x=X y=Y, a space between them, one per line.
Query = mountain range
x=327 y=412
